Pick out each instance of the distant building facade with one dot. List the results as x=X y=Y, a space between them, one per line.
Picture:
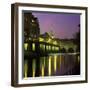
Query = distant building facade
x=62 y=43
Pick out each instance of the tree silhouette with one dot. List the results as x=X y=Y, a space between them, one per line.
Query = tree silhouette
x=77 y=38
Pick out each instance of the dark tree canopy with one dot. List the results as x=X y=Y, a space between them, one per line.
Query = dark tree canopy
x=77 y=38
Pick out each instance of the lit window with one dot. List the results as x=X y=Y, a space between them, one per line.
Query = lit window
x=41 y=39
x=25 y=46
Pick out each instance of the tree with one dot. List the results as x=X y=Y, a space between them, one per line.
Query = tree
x=77 y=38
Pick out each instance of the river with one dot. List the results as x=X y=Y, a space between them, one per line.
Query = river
x=52 y=65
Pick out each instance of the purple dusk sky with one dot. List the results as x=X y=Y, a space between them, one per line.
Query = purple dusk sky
x=61 y=24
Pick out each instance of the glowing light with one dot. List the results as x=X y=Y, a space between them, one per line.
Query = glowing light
x=33 y=68
x=33 y=46
x=25 y=70
x=44 y=61
x=56 y=48
x=46 y=47
x=41 y=39
x=42 y=70
x=49 y=69
x=49 y=47
x=53 y=48
x=49 y=40
x=42 y=65
x=25 y=46
x=55 y=42
x=32 y=20
x=29 y=38
x=52 y=37
x=55 y=63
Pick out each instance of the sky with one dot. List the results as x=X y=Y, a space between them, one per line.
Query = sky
x=63 y=25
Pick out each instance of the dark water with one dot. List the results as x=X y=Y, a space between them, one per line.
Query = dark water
x=52 y=65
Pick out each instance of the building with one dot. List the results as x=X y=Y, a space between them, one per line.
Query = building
x=63 y=44
x=31 y=27
x=34 y=41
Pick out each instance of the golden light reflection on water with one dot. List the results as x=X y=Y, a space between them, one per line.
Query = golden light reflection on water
x=42 y=74
x=55 y=63
x=49 y=66
x=43 y=67
x=25 y=70
x=42 y=64
x=33 y=68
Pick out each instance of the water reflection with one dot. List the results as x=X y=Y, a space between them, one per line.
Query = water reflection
x=25 y=69
x=55 y=63
x=49 y=66
x=52 y=65
x=33 y=67
x=42 y=65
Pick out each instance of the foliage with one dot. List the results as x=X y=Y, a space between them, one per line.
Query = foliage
x=77 y=39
